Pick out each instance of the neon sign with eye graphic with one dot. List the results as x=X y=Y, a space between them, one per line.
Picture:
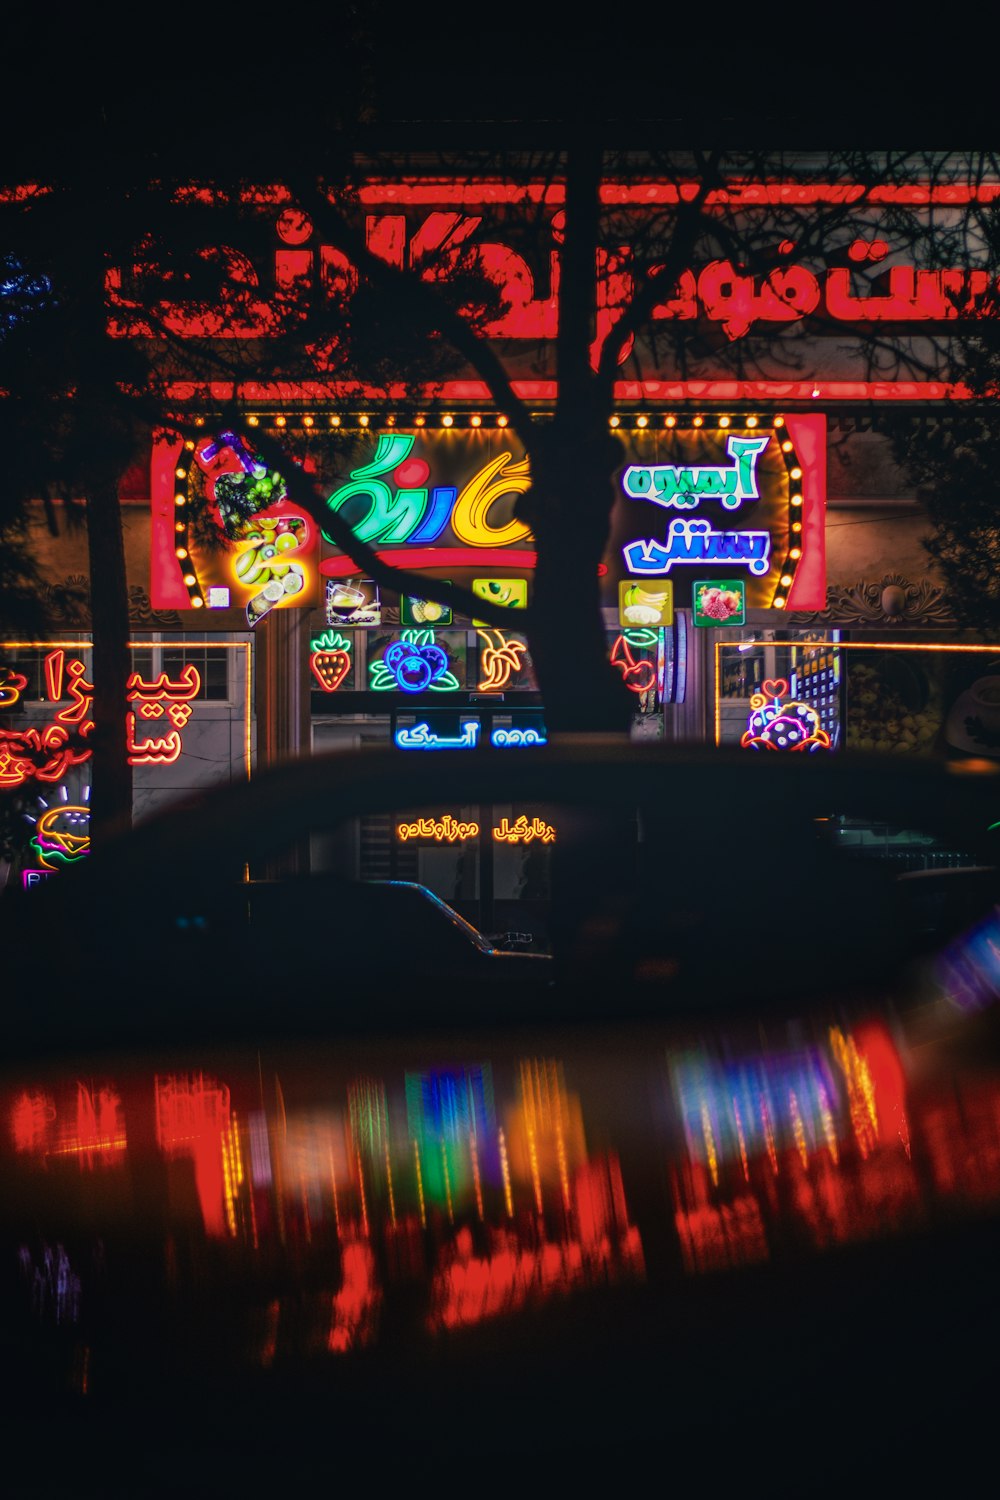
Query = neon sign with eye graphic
x=412 y=665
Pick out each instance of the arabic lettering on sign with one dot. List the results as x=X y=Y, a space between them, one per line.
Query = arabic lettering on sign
x=46 y=754
x=500 y=739
x=745 y=499
x=696 y=541
x=406 y=510
x=422 y=737
x=304 y=272
x=523 y=832
x=21 y=753
x=447 y=830
x=150 y=698
x=686 y=487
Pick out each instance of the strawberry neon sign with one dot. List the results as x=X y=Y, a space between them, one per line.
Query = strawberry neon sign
x=330 y=659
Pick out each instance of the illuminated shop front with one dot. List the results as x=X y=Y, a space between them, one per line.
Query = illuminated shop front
x=714 y=517
x=724 y=551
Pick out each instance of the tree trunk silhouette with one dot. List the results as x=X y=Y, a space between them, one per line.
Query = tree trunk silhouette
x=111 y=793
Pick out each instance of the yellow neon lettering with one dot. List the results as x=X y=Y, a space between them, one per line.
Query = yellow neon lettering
x=468 y=520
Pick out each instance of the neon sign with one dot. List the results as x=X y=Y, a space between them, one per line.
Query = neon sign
x=330 y=659
x=446 y=830
x=302 y=271
x=12 y=684
x=639 y=676
x=20 y=749
x=776 y=726
x=412 y=664
x=422 y=737
x=411 y=513
x=498 y=659
x=780 y=473
x=270 y=560
x=501 y=739
x=697 y=542
x=523 y=832
x=669 y=484
x=449 y=830
x=150 y=698
x=62 y=834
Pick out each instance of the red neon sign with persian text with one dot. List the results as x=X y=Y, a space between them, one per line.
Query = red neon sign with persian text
x=422 y=219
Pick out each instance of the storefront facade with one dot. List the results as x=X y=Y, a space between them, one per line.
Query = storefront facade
x=761 y=535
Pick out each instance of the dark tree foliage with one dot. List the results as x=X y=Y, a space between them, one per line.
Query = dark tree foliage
x=953 y=459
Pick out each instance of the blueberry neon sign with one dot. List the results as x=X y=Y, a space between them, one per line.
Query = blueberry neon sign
x=413 y=664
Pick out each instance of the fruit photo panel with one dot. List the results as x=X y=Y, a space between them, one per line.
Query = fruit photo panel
x=508 y=593
x=719 y=601
x=645 y=602
x=423 y=612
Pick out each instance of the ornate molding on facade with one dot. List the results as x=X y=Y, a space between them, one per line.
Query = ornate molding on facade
x=894 y=600
x=67 y=605
x=140 y=612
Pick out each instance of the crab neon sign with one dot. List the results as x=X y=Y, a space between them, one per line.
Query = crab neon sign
x=774 y=725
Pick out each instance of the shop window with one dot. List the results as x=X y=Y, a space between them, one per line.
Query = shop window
x=212 y=663
x=29 y=662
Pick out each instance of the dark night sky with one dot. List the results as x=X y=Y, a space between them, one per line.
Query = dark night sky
x=217 y=81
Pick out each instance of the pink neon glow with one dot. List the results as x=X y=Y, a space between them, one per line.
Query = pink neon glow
x=442 y=557
x=808 y=433
x=436 y=557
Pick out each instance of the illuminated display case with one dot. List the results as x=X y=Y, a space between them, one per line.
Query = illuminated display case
x=892 y=697
x=815 y=678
